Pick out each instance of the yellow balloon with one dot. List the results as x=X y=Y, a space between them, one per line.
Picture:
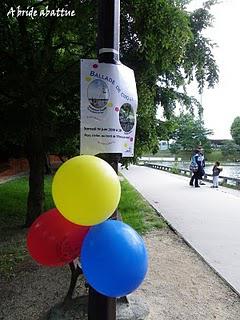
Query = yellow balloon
x=86 y=190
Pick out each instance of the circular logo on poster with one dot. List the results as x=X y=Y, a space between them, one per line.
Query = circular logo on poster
x=98 y=94
x=126 y=117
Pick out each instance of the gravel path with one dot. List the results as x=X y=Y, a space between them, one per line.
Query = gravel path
x=179 y=285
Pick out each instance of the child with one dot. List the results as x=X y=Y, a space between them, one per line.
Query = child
x=216 y=171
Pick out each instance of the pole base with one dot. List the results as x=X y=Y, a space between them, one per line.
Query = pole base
x=128 y=308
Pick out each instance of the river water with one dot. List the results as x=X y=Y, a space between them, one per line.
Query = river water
x=229 y=169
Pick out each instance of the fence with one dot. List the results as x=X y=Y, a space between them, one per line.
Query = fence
x=186 y=172
x=16 y=166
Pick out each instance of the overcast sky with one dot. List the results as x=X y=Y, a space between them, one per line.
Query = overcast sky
x=221 y=104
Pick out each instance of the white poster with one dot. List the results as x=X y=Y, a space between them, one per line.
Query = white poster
x=108 y=108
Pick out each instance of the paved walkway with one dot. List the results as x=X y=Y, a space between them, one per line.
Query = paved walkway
x=208 y=219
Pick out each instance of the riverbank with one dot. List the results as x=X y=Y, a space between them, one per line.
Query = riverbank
x=214 y=155
x=230 y=169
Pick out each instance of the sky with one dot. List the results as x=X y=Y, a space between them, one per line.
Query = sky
x=221 y=104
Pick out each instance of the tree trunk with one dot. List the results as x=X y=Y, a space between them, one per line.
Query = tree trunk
x=36 y=159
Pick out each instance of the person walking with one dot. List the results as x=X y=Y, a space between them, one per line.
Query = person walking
x=216 y=171
x=196 y=168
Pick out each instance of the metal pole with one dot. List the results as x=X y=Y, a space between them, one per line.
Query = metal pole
x=101 y=307
x=108 y=31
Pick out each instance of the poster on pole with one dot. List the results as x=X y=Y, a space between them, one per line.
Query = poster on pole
x=108 y=108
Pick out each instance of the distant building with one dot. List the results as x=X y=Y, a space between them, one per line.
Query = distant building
x=163 y=145
x=218 y=143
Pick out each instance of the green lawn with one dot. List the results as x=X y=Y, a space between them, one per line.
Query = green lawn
x=13 y=197
x=136 y=211
x=13 y=203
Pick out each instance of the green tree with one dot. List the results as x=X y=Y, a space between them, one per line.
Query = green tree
x=166 y=129
x=167 y=50
x=39 y=79
x=40 y=82
x=230 y=150
x=189 y=134
x=235 y=130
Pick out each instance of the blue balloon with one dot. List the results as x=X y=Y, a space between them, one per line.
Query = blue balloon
x=114 y=258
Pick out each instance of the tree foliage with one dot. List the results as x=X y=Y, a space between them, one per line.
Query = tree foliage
x=39 y=79
x=189 y=134
x=40 y=73
x=166 y=48
x=39 y=91
x=230 y=150
x=235 y=130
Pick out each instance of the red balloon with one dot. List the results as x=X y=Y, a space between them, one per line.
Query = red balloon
x=54 y=241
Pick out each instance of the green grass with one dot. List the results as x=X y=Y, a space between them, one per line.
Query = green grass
x=13 y=199
x=13 y=204
x=136 y=211
x=215 y=155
